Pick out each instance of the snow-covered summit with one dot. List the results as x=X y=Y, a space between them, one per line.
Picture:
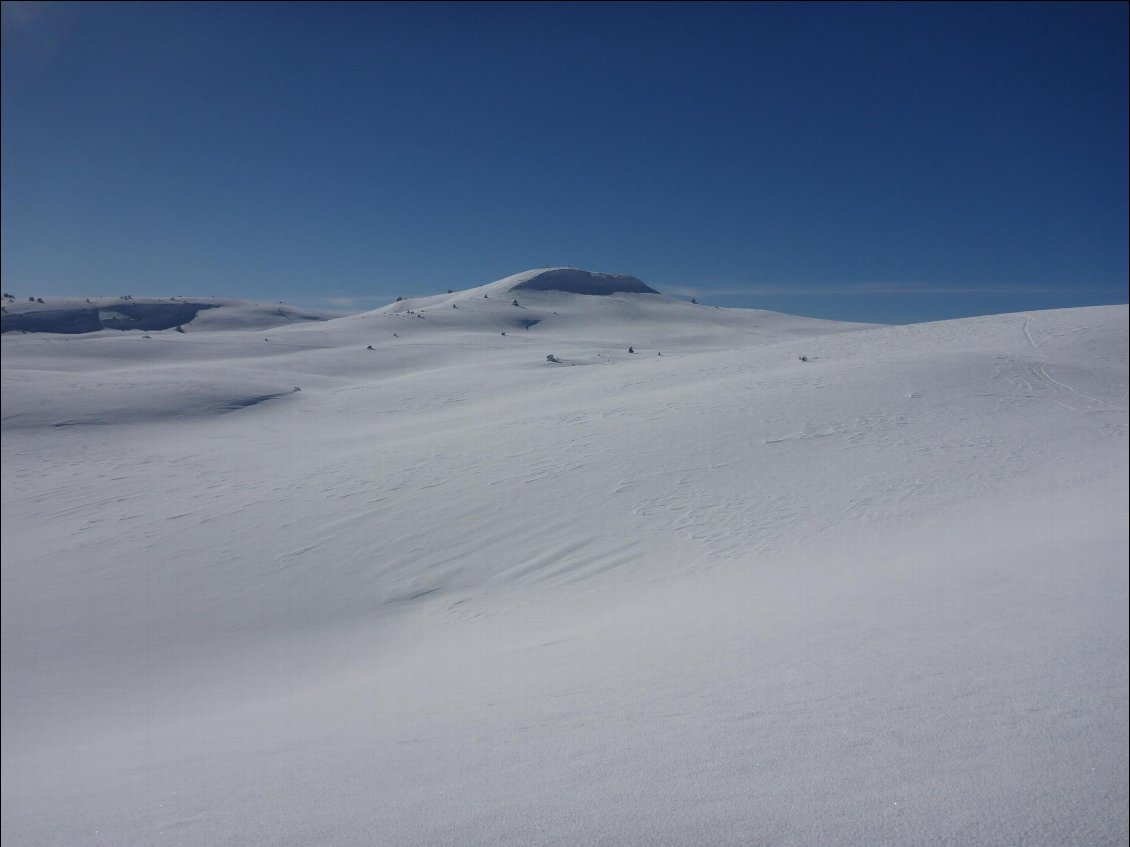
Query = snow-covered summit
x=553 y=282
x=578 y=311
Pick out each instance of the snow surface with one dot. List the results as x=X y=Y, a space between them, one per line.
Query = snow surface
x=450 y=592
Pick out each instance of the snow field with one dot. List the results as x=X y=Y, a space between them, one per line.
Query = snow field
x=452 y=593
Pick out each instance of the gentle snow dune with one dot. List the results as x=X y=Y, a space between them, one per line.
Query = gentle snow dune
x=452 y=593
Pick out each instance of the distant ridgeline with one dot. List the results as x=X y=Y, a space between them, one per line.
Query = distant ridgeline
x=124 y=315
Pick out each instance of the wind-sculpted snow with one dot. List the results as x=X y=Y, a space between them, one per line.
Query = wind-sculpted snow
x=574 y=281
x=74 y=316
x=453 y=592
x=122 y=316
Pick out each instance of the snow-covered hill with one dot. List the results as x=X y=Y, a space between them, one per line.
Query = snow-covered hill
x=449 y=592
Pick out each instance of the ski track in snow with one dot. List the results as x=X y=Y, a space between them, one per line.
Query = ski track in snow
x=447 y=594
x=1028 y=332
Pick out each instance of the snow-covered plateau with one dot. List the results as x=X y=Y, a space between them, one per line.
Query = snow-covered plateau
x=401 y=578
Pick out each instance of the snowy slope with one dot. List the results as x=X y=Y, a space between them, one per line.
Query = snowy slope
x=450 y=592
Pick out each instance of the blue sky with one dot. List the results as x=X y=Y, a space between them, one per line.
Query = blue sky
x=887 y=162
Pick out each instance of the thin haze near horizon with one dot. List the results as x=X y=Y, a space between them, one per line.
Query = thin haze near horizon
x=878 y=162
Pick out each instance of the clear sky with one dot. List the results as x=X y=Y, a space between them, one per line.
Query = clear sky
x=888 y=162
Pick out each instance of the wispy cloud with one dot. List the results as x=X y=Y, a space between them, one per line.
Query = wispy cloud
x=19 y=14
x=34 y=32
x=351 y=302
x=855 y=289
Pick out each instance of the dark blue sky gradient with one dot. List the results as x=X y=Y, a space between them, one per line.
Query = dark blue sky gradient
x=885 y=162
